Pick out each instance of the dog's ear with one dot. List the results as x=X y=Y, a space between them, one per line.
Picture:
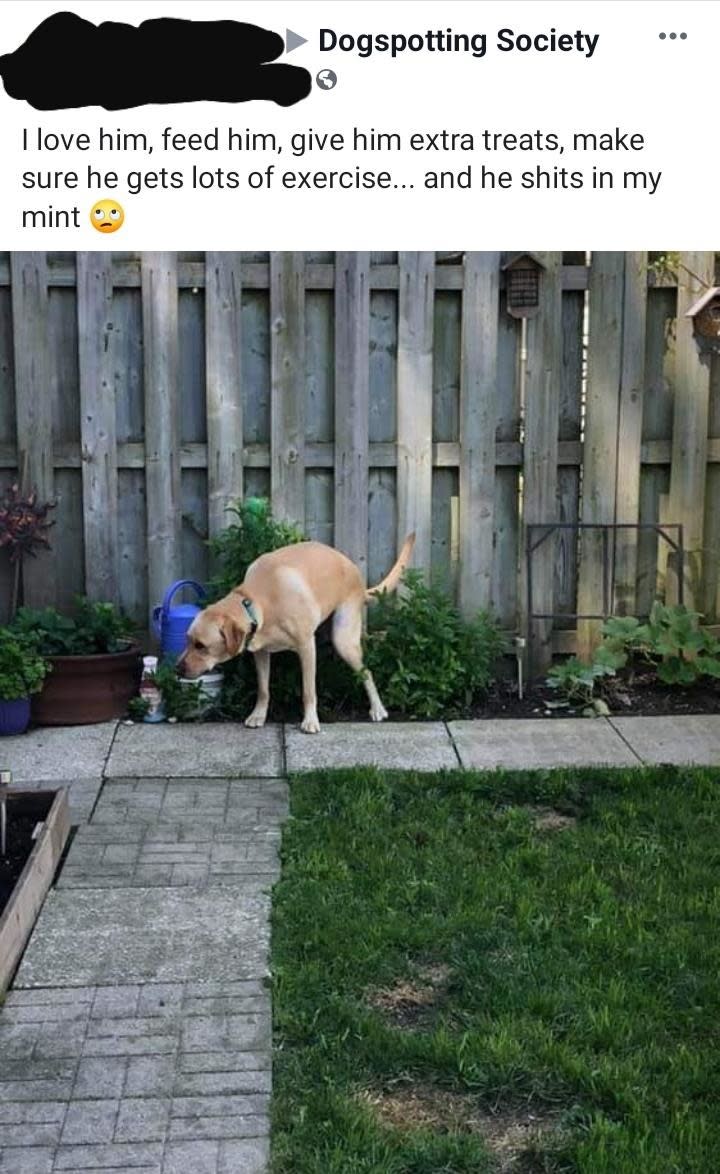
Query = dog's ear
x=232 y=634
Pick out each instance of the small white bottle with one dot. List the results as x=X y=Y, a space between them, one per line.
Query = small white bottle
x=150 y=692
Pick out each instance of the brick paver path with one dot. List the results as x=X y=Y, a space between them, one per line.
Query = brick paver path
x=137 y=1035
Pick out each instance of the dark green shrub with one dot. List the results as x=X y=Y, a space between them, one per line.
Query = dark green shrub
x=94 y=628
x=22 y=669
x=254 y=532
x=338 y=688
x=429 y=662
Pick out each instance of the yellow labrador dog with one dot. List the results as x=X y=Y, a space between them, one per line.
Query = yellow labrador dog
x=285 y=596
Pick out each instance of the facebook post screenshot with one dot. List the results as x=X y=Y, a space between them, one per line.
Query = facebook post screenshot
x=359 y=587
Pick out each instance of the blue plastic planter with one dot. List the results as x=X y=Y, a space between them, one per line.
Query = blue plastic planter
x=14 y=716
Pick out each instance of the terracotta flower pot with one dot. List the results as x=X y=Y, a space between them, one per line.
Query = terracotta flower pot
x=81 y=690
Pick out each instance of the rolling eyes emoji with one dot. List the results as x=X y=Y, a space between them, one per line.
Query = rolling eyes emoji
x=107 y=216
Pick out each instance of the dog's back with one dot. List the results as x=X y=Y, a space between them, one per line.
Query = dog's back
x=307 y=572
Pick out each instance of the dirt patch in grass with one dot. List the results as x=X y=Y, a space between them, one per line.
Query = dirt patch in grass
x=508 y=1134
x=412 y=1002
x=547 y=819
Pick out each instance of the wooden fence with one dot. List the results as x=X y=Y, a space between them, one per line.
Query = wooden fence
x=368 y=394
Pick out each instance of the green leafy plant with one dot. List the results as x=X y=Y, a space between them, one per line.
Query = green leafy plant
x=183 y=702
x=94 y=628
x=254 y=532
x=22 y=668
x=577 y=682
x=672 y=641
x=665 y=266
x=428 y=661
x=137 y=708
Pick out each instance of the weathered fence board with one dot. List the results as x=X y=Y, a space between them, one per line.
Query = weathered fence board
x=447 y=358
x=192 y=365
x=506 y=581
x=478 y=414
x=8 y=430
x=97 y=425
x=542 y=405
x=127 y=362
x=690 y=423
x=162 y=422
x=605 y=355
x=629 y=430
x=370 y=394
x=223 y=329
x=711 y=569
x=569 y=430
x=656 y=428
x=352 y=395
x=287 y=364
x=33 y=405
x=414 y=406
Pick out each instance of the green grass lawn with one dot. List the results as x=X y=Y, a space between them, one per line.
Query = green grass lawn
x=464 y=981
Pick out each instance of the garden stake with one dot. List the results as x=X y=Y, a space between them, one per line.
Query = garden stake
x=5 y=781
x=519 y=654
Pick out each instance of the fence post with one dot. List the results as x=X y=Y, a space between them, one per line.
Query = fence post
x=97 y=425
x=223 y=314
x=33 y=406
x=352 y=415
x=414 y=402
x=162 y=428
x=287 y=383
x=478 y=423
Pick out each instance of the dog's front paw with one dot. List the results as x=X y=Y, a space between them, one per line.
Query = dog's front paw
x=255 y=720
x=310 y=725
x=378 y=713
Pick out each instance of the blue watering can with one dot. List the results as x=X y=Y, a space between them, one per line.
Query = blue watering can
x=171 y=623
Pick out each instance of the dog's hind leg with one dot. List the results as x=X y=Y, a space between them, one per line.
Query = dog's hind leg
x=262 y=668
x=308 y=660
x=346 y=636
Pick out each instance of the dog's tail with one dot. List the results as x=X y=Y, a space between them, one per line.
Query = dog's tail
x=392 y=579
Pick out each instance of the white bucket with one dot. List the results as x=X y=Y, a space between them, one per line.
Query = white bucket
x=210 y=690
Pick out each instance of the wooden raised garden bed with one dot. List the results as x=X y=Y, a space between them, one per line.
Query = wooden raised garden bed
x=25 y=810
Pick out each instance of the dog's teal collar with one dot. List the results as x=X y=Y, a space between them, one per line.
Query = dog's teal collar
x=251 y=614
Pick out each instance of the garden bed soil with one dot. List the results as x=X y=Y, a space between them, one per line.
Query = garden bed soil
x=28 y=867
x=644 y=697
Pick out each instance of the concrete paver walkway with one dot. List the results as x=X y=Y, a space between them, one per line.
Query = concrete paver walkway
x=137 y=1035
x=521 y=744
x=692 y=738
